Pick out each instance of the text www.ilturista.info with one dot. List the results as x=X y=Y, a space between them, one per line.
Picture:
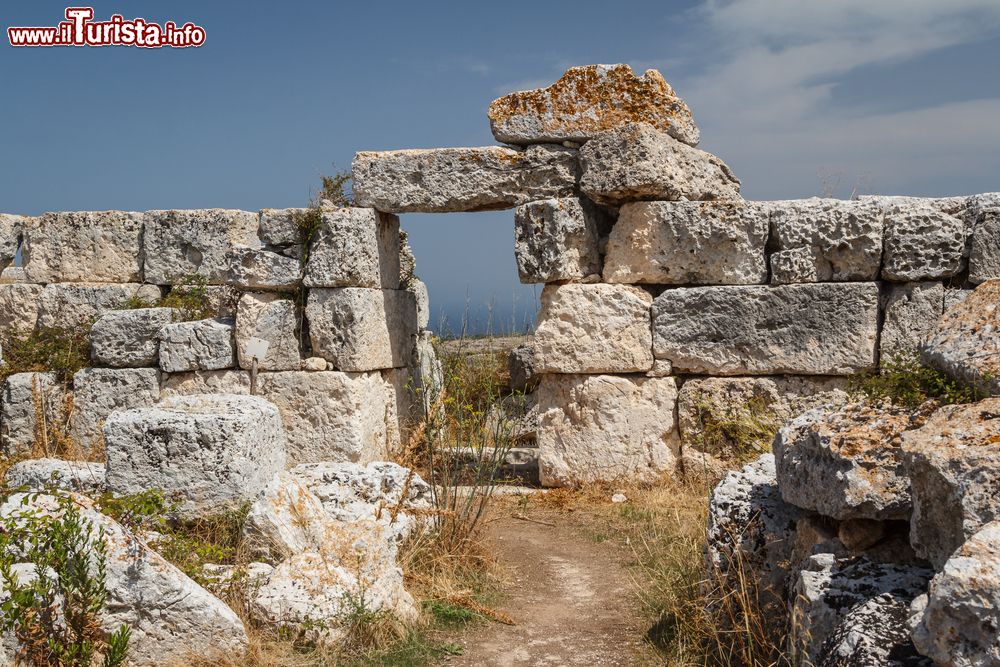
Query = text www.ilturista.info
x=79 y=29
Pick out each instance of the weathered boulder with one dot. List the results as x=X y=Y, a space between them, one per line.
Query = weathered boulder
x=588 y=100
x=273 y=318
x=441 y=180
x=254 y=268
x=79 y=304
x=95 y=247
x=194 y=242
x=170 y=616
x=637 y=161
x=688 y=243
x=833 y=595
x=213 y=452
x=594 y=329
x=129 y=338
x=910 y=315
x=97 y=392
x=354 y=247
x=596 y=428
x=825 y=240
x=817 y=329
x=18 y=308
x=11 y=229
x=557 y=239
x=984 y=254
x=846 y=463
x=955 y=622
x=360 y=329
x=924 y=239
x=24 y=397
x=953 y=462
x=84 y=477
x=204 y=345
x=966 y=344
x=522 y=369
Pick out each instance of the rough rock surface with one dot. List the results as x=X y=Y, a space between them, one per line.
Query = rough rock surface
x=984 y=255
x=594 y=329
x=956 y=622
x=923 y=241
x=678 y=243
x=359 y=329
x=846 y=463
x=354 y=247
x=557 y=239
x=604 y=428
x=637 y=161
x=129 y=338
x=825 y=240
x=588 y=100
x=20 y=394
x=18 y=308
x=954 y=465
x=77 y=304
x=195 y=242
x=11 y=228
x=522 y=369
x=279 y=226
x=38 y=474
x=911 y=312
x=418 y=288
x=171 y=617
x=824 y=329
x=966 y=344
x=273 y=318
x=462 y=179
x=97 y=392
x=253 y=268
x=206 y=382
x=96 y=247
x=204 y=345
x=213 y=452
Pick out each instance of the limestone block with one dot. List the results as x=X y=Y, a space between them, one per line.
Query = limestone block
x=360 y=329
x=966 y=342
x=95 y=247
x=597 y=428
x=279 y=226
x=274 y=319
x=423 y=298
x=97 y=392
x=205 y=382
x=688 y=243
x=846 y=463
x=522 y=369
x=213 y=451
x=594 y=329
x=953 y=297
x=953 y=462
x=910 y=315
x=355 y=247
x=253 y=268
x=79 y=304
x=637 y=161
x=11 y=228
x=588 y=100
x=204 y=345
x=984 y=256
x=817 y=329
x=557 y=239
x=708 y=409
x=825 y=240
x=923 y=241
x=441 y=180
x=955 y=623
x=129 y=338
x=24 y=397
x=18 y=308
x=84 y=477
x=194 y=242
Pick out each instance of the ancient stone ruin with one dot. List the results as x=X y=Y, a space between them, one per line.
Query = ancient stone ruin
x=668 y=298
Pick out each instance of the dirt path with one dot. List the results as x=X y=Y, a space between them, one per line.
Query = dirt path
x=570 y=595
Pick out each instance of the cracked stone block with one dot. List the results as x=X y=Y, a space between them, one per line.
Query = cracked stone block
x=68 y=305
x=274 y=319
x=97 y=392
x=911 y=312
x=204 y=345
x=178 y=244
x=86 y=246
x=355 y=247
x=557 y=239
x=129 y=338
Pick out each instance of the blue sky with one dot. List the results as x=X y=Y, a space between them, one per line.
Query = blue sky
x=894 y=96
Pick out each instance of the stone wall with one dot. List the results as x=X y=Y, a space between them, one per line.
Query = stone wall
x=343 y=326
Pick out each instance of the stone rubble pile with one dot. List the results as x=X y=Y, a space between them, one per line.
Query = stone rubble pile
x=878 y=527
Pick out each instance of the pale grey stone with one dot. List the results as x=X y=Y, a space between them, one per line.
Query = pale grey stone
x=557 y=239
x=818 y=329
x=252 y=268
x=923 y=241
x=422 y=296
x=966 y=342
x=354 y=247
x=11 y=229
x=18 y=308
x=177 y=244
x=12 y=274
x=272 y=318
x=129 y=338
x=205 y=382
x=910 y=315
x=688 y=243
x=825 y=240
x=68 y=305
x=87 y=246
x=605 y=428
x=360 y=329
x=84 y=477
x=953 y=297
x=594 y=329
x=279 y=226
x=97 y=392
x=953 y=462
x=637 y=161
x=462 y=179
x=984 y=255
x=314 y=364
x=213 y=452
x=204 y=345
x=22 y=396
x=522 y=369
